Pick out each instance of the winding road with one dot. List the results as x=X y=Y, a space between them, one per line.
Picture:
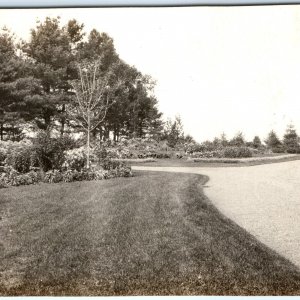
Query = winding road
x=263 y=199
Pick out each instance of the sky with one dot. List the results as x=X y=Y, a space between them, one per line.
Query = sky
x=222 y=69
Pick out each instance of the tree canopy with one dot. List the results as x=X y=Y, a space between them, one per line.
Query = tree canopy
x=36 y=83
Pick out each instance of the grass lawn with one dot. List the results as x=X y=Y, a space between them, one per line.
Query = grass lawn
x=154 y=234
x=175 y=162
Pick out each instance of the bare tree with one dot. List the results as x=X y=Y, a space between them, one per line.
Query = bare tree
x=94 y=92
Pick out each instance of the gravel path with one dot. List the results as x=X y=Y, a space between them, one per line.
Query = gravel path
x=264 y=199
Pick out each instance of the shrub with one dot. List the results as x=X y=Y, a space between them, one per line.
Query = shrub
x=50 y=151
x=278 y=149
x=10 y=177
x=108 y=164
x=75 y=159
x=293 y=150
x=208 y=154
x=101 y=152
x=237 y=152
x=2 y=156
x=35 y=176
x=124 y=171
x=53 y=176
x=22 y=159
x=68 y=176
x=4 y=182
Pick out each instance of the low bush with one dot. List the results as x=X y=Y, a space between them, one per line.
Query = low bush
x=2 y=156
x=278 y=149
x=293 y=150
x=75 y=159
x=50 y=151
x=124 y=171
x=53 y=176
x=109 y=164
x=10 y=177
x=22 y=160
x=207 y=154
x=237 y=152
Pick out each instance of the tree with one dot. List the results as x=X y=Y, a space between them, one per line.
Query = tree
x=50 y=50
x=173 y=132
x=256 y=142
x=238 y=140
x=93 y=96
x=16 y=86
x=273 y=141
x=290 y=140
x=224 y=140
x=35 y=83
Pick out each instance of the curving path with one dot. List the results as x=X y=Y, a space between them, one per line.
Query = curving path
x=263 y=199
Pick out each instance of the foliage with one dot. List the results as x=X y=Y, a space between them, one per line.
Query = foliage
x=50 y=150
x=2 y=156
x=273 y=142
x=10 y=177
x=53 y=176
x=237 y=152
x=278 y=149
x=35 y=83
x=207 y=154
x=256 y=143
x=173 y=132
x=22 y=159
x=74 y=159
x=291 y=140
x=238 y=140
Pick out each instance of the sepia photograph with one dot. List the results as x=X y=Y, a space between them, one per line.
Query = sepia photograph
x=150 y=151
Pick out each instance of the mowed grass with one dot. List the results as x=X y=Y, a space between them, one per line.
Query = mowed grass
x=175 y=162
x=154 y=234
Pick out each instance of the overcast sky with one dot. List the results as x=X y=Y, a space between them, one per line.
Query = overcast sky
x=223 y=69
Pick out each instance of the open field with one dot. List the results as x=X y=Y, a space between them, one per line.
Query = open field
x=154 y=234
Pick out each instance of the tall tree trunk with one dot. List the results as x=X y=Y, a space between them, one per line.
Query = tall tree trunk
x=63 y=120
x=1 y=132
x=88 y=143
x=88 y=149
x=115 y=133
x=62 y=128
x=118 y=133
x=101 y=134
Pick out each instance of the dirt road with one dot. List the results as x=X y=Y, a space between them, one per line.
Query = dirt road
x=264 y=199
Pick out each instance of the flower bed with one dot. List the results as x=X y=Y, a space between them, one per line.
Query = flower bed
x=11 y=177
x=226 y=152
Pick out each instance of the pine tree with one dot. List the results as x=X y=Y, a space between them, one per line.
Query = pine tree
x=273 y=142
x=290 y=140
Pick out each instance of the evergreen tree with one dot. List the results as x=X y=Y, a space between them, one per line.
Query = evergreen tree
x=238 y=140
x=256 y=142
x=273 y=142
x=290 y=140
x=50 y=49
x=173 y=132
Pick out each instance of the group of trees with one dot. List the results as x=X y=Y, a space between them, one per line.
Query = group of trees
x=65 y=80
x=290 y=142
x=40 y=79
